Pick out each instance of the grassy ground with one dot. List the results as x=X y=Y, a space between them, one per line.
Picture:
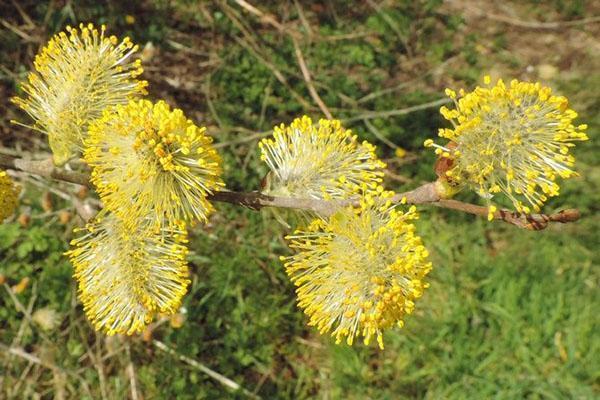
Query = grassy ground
x=510 y=314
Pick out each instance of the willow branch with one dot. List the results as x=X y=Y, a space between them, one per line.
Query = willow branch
x=255 y=200
x=424 y=194
x=44 y=168
x=534 y=222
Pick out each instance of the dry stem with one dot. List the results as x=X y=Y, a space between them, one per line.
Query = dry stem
x=307 y=78
x=424 y=194
x=223 y=380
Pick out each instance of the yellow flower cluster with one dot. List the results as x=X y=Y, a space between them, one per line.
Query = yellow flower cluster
x=360 y=270
x=512 y=139
x=77 y=75
x=322 y=161
x=128 y=276
x=152 y=167
x=9 y=194
x=150 y=160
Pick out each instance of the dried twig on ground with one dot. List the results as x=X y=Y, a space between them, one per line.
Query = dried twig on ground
x=308 y=80
x=267 y=18
x=400 y=111
x=223 y=380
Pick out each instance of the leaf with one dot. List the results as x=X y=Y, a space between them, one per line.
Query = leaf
x=24 y=249
x=9 y=233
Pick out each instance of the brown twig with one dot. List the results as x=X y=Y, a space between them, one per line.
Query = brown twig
x=534 y=222
x=253 y=200
x=424 y=194
x=251 y=45
x=267 y=18
x=550 y=25
x=43 y=168
x=278 y=74
x=299 y=56
x=303 y=19
x=17 y=31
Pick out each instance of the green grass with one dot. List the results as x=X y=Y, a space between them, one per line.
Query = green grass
x=509 y=314
x=491 y=324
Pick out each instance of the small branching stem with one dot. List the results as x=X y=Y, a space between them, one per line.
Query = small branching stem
x=424 y=194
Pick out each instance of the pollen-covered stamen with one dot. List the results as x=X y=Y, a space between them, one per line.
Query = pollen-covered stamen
x=515 y=140
x=358 y=272
x=323 y=161
x=125 y=277
x=150 y=160
x=77 y=75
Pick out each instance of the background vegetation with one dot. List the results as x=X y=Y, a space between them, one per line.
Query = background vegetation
x=510 y=314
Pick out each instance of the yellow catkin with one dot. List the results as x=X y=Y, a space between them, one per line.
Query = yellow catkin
x=322 y=161
x=76 y=75
x=359 y=271
x=127 y=276
x=9 y=195
x=513 y=139
x=148 y=159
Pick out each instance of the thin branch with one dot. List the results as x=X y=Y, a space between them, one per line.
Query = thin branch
x=543 y=25
x=255 y=51
x=32 y=358
x=19 y=352
x=253 y=200
x=43 y=168
x=17 y=31
x=303 y=19
x=379 y=135
x=401 y=111
x=267 y=18
x=534 y=222
x=223 y=380
x=424 y=194
x=392 y=24
x=308 y=80
x=245 y=139
x=278 y=74
x=298 y=52
x=364 y=116
x=130 y=369
x=550 y=25
x=434 y=70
